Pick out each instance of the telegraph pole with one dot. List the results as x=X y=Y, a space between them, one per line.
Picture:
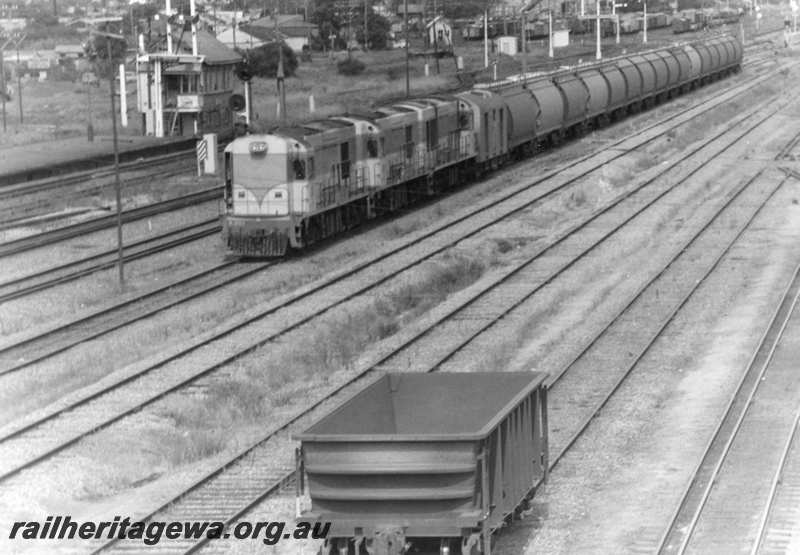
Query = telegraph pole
x=280 y=75
x=19 y=79
x=644 y=23
x=598 y=53
x=486 y=38
x=3 y=83
x=117 y=184
x=408 y=78
x=524 y=50
x=366 y=42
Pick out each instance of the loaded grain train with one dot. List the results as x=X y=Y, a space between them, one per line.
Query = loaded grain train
x=296 y=185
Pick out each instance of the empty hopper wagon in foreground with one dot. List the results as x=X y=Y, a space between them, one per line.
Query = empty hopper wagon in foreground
x=425 y=463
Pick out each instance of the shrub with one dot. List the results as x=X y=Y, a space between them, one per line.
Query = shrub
x=351 y=66
x=263 y=61
x=395 y=72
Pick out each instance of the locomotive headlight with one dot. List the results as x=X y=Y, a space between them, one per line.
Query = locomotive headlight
x=258 y=147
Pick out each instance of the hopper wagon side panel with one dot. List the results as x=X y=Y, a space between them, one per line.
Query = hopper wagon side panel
x=425 y=457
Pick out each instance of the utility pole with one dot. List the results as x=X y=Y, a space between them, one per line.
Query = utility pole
x=408 y=68
x=89 y=126
x=550 y=33
x=644 y=23
x=3 y=83
x=486 y=39
x=366 y=42
x=280 y=75
x=117 y=184
x=169 y=26
x=19 y=79
x=524 y=46
x=598 y=53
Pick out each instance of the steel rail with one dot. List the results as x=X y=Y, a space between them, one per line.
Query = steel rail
x=107 y=259
x=775 y=485
x=287 y=478
x=680 y=534
x=291 y=474
x=196 y=375
x=713 y=101
x=45 y=238
x=301 y=321
x=66 y=179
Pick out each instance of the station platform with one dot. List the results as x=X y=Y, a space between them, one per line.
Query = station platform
x=47 y=159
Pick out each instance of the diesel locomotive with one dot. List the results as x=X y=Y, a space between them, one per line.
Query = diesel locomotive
x=298 y=184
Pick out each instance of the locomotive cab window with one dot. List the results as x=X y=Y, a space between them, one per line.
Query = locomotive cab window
x=372 y=148
x=228 y=195
x=299 y=168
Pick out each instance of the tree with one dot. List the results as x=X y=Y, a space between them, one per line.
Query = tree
x=464 y=9
x=333 y=18
x=139 y=15
x=97 y=52
x=263 y=61
x=378 y=28
x=328 y=18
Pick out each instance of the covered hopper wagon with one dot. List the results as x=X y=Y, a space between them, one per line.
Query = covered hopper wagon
x=421 y=463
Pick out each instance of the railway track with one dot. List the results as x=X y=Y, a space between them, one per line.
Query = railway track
x=37 y=240
x=40 y=346
x=732 y=498
x=70 y=271
x=39 y=198
x=56 y=182
x=194 y=503
x=779 y=529
x=38 y=439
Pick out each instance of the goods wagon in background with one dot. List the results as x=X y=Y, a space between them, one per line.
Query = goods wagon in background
x=425 y=462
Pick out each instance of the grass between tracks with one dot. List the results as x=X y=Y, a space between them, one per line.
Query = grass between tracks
x=259 y=388
x=276 y=374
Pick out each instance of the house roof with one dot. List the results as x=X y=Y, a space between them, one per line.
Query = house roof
x=283 y=19
x=268 y=34
x=435 y=20
x=214 y=51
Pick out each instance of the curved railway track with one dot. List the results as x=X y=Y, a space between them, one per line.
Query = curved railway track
x=36 y=348
x=44 y=238
x=50 y=434
x=725 y=503
x=249 y=476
